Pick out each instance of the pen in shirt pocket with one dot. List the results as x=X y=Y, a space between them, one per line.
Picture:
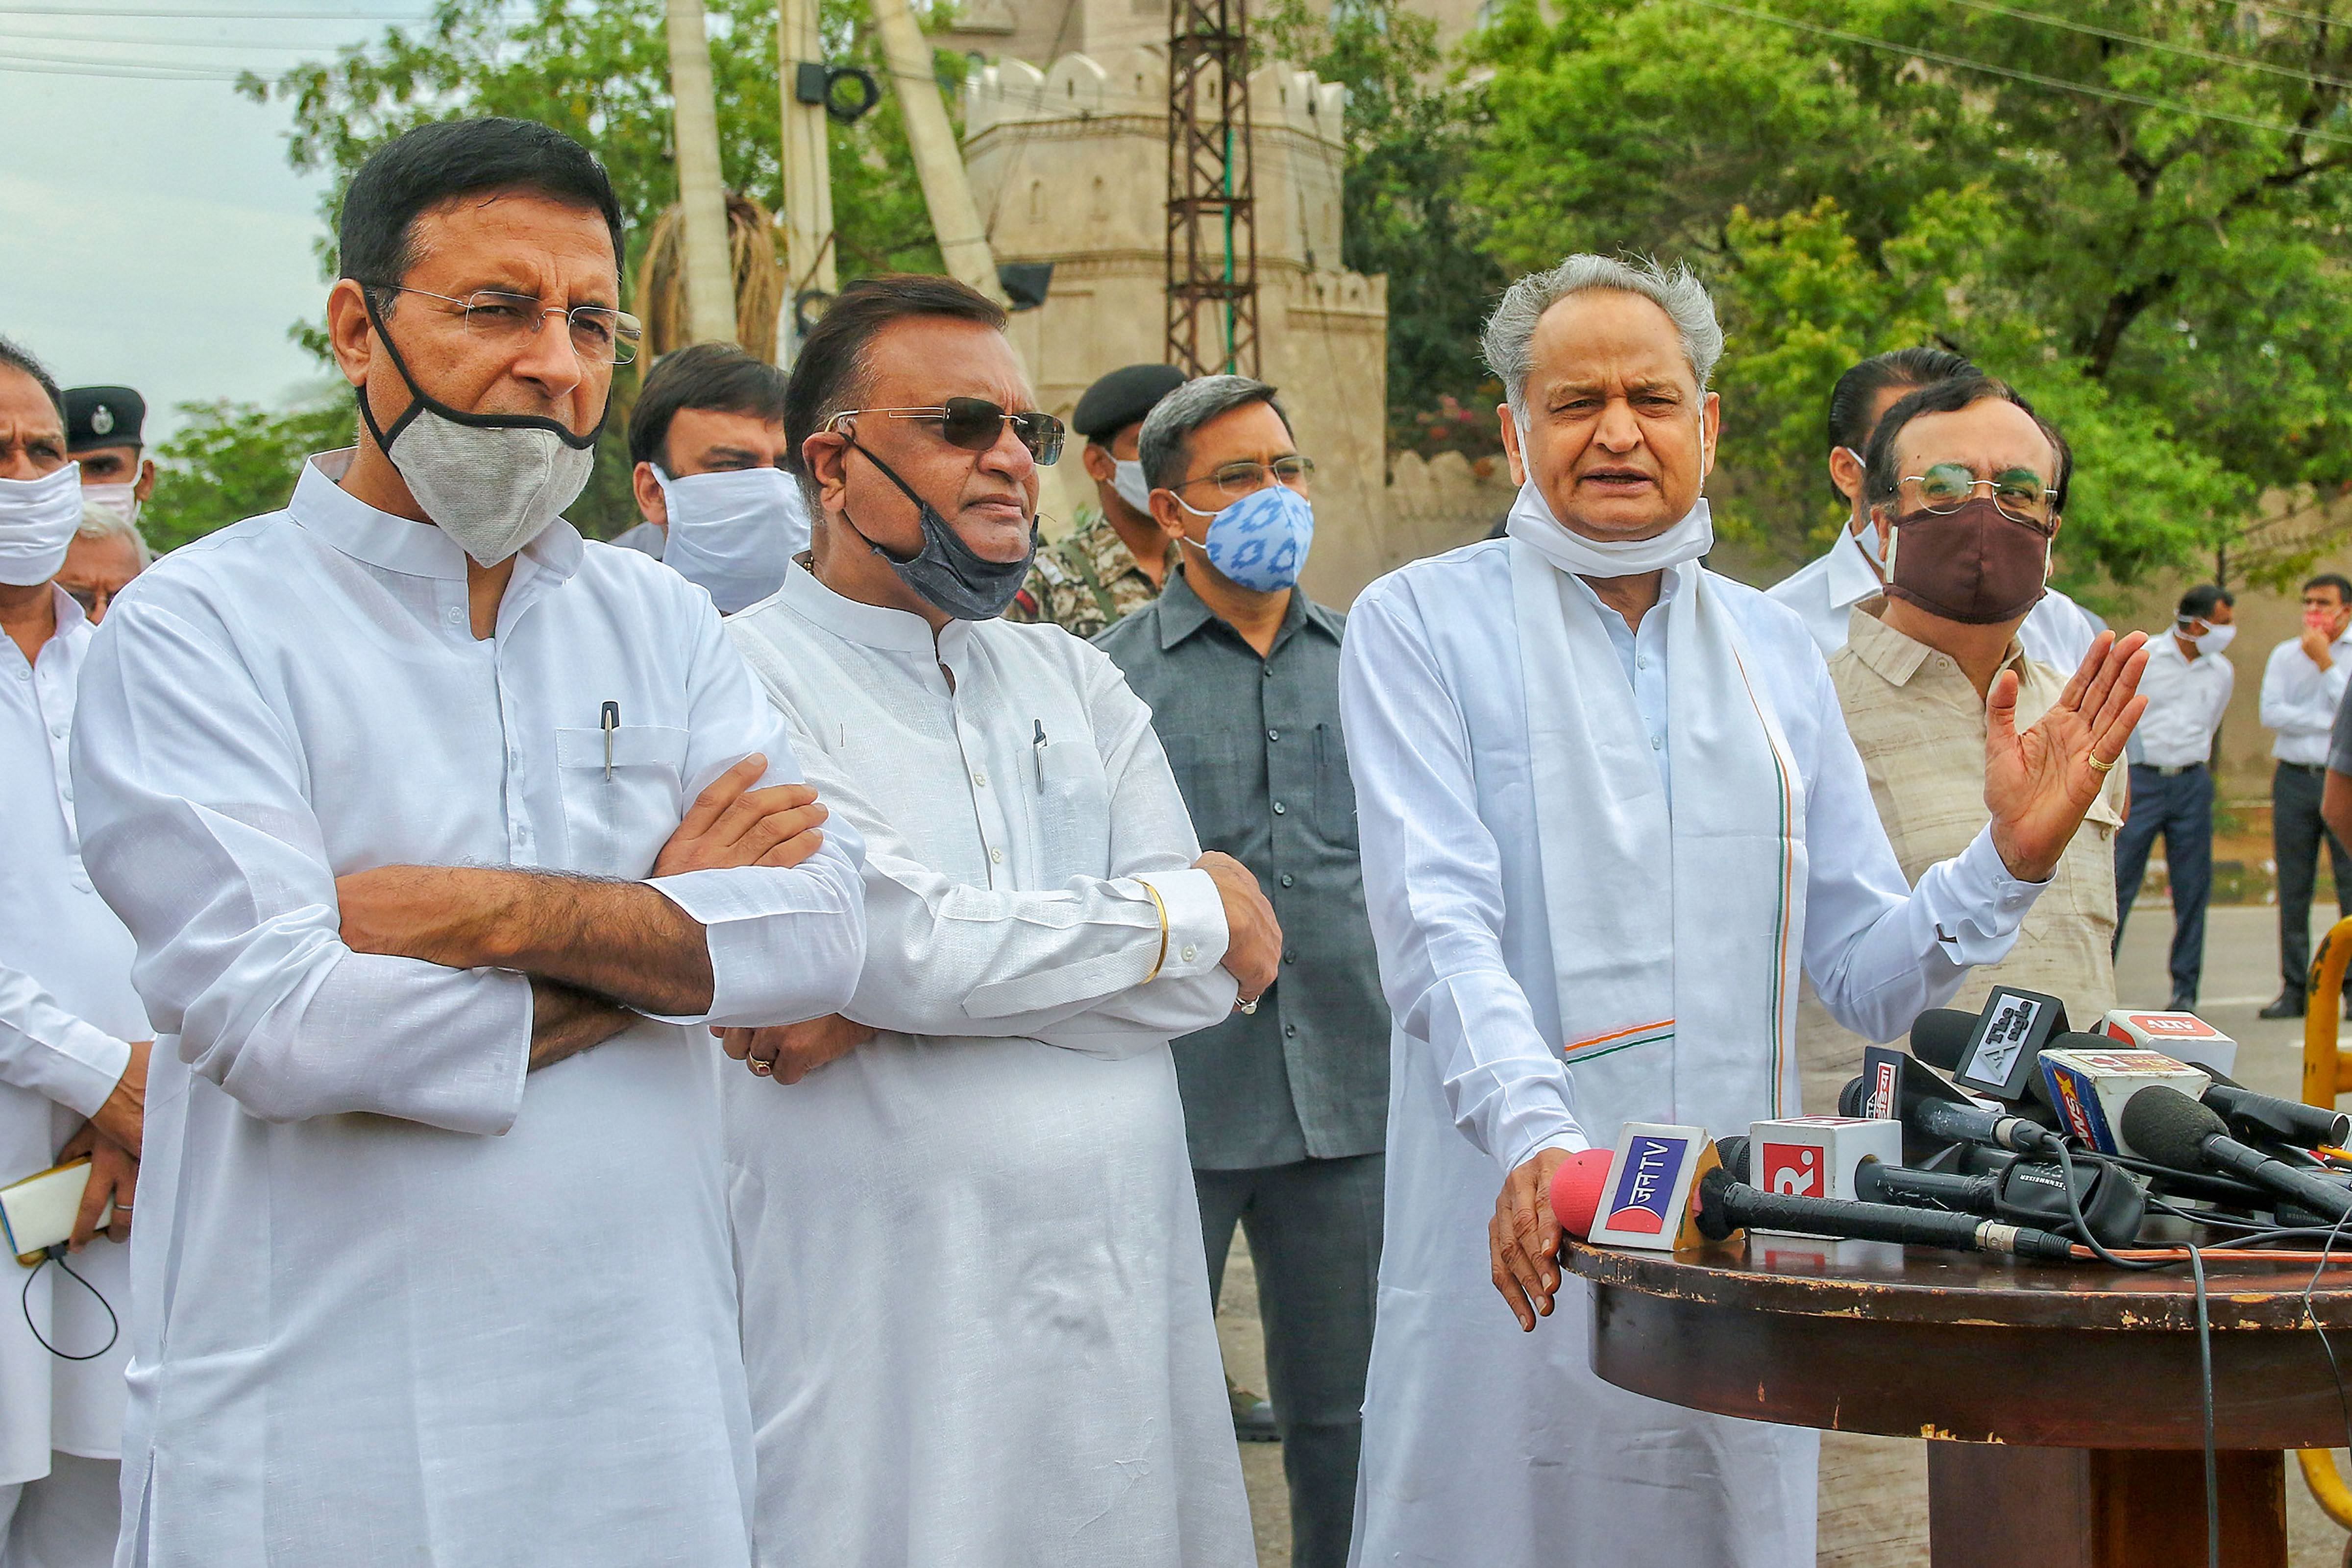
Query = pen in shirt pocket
x=1037 y=748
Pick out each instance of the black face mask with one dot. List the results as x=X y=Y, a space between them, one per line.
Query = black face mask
x=947 y=572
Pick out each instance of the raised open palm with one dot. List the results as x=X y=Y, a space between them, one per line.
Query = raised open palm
x=2039 y=784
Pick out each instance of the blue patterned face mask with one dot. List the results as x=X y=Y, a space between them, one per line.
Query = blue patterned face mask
x=1261 y=542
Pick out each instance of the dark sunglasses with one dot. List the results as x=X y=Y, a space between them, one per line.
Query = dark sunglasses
x=974 y=424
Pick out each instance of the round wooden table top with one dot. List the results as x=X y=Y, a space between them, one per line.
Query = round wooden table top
x=1867 y=1337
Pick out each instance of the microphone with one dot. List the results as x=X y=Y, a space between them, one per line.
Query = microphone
x=2184 y=1036
x=1895 y=1085
x=1725 y=1207
x=2012 y=1032
x=2092 y=1088
x=2021 y=1192
x=2166 y=1125
x=2254 y=1115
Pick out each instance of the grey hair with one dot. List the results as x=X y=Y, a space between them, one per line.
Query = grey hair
x=1164 y=444
x=1510 y=334
x=97 y=524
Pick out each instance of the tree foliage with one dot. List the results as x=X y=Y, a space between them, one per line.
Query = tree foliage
x=2159 y=259
x=234 y=460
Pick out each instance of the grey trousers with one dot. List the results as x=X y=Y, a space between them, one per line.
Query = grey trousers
x=2296 y=832
x=1314 y=1232
x=66 y=1520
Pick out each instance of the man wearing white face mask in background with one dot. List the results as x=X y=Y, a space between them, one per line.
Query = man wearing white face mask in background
x=104 y=426
x=73 y=1037
x=442 y=834
x=708 y=439
x=1824 y=590
x=1609 y=811
x=2187 y=687
x=1285 y=1108
x=1114 y=560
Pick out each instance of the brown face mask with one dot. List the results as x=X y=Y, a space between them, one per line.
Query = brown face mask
x=1974 y=564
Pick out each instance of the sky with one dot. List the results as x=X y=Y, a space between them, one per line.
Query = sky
x=151 y=234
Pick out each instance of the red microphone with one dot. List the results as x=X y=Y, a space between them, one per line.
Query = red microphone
x=1576 y=1189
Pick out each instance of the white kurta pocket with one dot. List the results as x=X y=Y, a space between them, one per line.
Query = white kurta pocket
x=1073 y=805
x=617 y=819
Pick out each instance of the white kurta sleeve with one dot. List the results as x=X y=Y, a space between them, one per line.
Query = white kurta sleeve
x=1881 y=954
x=196 y=827
x=46 y=1049
x=1433 y=887
x=1066 y=966
x=785 y=945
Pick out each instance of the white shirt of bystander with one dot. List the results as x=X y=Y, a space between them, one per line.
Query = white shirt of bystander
x=2185 y=698
x=67 y=1016
x=389 y=1289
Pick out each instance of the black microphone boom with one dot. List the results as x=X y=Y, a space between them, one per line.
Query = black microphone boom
x=1725 y=1206
x=2170 y=1128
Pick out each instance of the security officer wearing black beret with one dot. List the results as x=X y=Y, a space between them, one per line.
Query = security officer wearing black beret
x=102 y=434
x=1115 y=561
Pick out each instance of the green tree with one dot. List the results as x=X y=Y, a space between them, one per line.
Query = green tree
x=1410 y=138
x=2136 y=210
x=234 y=460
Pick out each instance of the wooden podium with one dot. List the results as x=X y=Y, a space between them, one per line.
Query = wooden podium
x=2064 y=1400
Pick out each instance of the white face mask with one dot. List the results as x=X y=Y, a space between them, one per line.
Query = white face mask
x=1130 y=483
x=2214 y=638
x=38 y=519
x=734 y=533
x=118 y=500
x=492 y=482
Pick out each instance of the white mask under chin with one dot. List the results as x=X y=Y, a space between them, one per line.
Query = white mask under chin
x=491 y=490
x=38 y=519
x=1531 y=520
x=1128 y=481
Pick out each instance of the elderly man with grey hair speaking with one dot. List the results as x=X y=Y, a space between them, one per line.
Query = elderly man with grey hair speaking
x=1609 y=808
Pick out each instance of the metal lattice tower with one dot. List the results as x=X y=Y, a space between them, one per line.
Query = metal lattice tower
x=1211 y=217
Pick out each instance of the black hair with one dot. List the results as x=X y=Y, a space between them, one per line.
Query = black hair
x=1164 y=445
x=2198 y=602
x=829 y=376
x=375 y=238
x=2335 y=580
x=19 y=358
x=716 y=376
x=1851 y=416
x=1880 y=481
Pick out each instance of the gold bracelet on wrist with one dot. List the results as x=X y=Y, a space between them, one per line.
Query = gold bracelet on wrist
x=1162 y=958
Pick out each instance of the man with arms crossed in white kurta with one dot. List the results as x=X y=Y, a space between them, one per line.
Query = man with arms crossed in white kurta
x=1608 y=810
x=389 y=788
x=975 y=1307
x=73 y=1041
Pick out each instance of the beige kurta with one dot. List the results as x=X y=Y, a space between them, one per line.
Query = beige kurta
x=1920 y=724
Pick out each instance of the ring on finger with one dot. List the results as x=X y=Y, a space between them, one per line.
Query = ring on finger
x=761 y=1066
x=2099 y=767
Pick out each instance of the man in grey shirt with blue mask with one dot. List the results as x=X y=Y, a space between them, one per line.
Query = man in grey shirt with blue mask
x=1285 y=1105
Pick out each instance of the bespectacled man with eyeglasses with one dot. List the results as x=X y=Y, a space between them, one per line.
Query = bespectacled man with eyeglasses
x=975 y=1317
x=445 y=836
x=1968 y=490
x=1285 y=1108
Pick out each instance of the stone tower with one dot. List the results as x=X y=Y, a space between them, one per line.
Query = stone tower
x=1069 y=166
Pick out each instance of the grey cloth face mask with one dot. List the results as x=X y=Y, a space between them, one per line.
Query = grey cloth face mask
x=492 y=482
x=947 y=572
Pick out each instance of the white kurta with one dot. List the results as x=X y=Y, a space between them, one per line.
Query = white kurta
x=67 y=1016
x=1824 y=590
x=398 y=1302
x=1481 y=1442
x=975 y=1309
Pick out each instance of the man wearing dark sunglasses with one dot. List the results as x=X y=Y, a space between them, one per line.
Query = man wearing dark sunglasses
x=996 y=1106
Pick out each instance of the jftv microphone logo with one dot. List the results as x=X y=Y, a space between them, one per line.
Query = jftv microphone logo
x=1645 y=1185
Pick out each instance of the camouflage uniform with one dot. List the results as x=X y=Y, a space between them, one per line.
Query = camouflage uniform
x=1086 y=582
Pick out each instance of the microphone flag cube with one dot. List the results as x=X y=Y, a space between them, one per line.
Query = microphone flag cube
x=1816 y=1156
x=1646 y=1201
x=2011 y=1030
x=2090 y=1088
x=2184 y=1036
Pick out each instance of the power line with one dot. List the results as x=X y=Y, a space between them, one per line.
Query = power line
x=136 y=73
x=2299 y=15
x=13 y=36
x=109 y=13
x=2035 y=78
x=2192 y=51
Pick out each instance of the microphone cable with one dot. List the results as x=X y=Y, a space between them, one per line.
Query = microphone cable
x=24 y=1301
